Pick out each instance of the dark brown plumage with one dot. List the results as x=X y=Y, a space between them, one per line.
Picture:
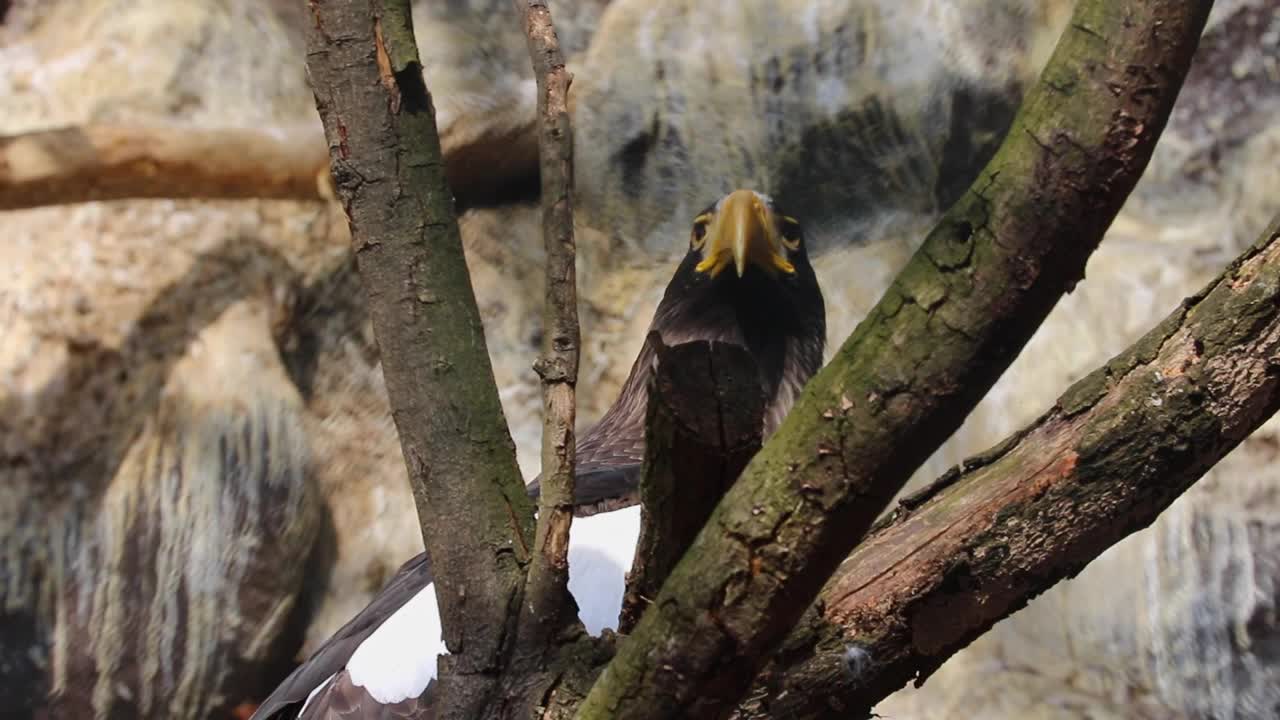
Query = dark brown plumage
x=779 y=316
x=746 y=280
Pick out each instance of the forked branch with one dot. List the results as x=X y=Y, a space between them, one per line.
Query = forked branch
x=1102 y=463
x=386 y=162
x=953 y=320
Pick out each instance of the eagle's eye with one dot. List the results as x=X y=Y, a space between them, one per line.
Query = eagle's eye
x=790 y=231
x=698 y=237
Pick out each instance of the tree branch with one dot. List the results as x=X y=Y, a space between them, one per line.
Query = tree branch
x=1112 y=453
x=703 y=425
x=107 y=162
x=546 y=594
x=85 y=163
x=378 y=117
x=953 y=320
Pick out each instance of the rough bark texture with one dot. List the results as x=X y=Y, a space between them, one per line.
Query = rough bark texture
x=547 y=595
x=106 y=162
x=983 y=540
x=953 y=320
x=703 y=424
x=387 y=167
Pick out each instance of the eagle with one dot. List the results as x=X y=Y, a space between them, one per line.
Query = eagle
x=747 y=280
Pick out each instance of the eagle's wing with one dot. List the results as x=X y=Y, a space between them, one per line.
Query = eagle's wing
x=412 y=577
x=609 y=457
x=391 y=671
x=607 y=479
x=611 y=452
x=342 y=699
x=607 y=473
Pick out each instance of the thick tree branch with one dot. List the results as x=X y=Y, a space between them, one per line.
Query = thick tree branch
x=547 y=593
x=953 y=320
x=84 y=163
x=703 y=425
x=107 y=162
x=378 y=118
x=1113 y=452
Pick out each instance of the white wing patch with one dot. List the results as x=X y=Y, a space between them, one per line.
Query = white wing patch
x=601 y=548
x=398 y=660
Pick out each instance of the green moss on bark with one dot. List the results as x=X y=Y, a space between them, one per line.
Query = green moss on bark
x=389 y=175
x=953 y=320
x=1044 y=503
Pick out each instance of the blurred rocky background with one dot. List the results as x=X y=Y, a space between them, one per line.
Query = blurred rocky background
x=199 y=478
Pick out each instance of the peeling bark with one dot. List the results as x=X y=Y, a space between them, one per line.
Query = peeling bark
x=1114 y=451
x=387 y=166
x=547 y=602
x=953 y=320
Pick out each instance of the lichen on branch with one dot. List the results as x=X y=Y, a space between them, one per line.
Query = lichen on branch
x=1112 y=453
x=952 y=321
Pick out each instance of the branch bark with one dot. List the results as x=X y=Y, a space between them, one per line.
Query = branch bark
x=1102 y=463
x=953 y=320
x=704 y=419
x=386 y=163
x=547 y=595
x=86 y=163
x=107 y=162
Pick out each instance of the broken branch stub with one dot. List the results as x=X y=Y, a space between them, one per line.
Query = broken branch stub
x=704 y=421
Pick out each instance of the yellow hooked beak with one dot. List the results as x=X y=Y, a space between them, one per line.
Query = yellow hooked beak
x=743 y=230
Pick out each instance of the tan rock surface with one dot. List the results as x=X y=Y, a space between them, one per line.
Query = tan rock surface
x=864 y=117
x=1179 y=620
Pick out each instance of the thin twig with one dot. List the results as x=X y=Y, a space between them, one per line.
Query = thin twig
x=545 y=592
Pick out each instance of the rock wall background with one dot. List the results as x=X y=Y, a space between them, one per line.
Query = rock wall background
x=865 y=119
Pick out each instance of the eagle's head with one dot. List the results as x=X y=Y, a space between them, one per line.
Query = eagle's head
x=746 y=279
x=744 y=230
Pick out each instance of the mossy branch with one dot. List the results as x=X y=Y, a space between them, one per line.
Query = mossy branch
x=1102 y=463
x=386 y=162
x=950 y=324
